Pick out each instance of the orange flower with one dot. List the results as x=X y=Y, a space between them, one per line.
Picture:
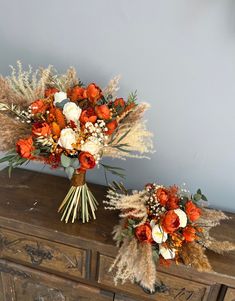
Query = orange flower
x=144 y=233
x=86 y=160
x=38 y=106
x=111 y=127
x=24 y=148
x=170 y=222
x=76 y=93
x=56 y=115
x=41 y=129
x=119 y=102
x=192 y=211
x=60 y=118
x=88 y=116
x=173 y=202
x=103 y=112
x=50 y=92
x=189 y=234
x=55 y=128
x=93 y=93
x=162 y=196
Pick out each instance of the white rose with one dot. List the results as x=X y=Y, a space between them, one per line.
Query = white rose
x=158 y=234
x=166 y=253
x=92 y=147
x=182 y=217
x=72 y=112
x=59 y=97
x=67 y=138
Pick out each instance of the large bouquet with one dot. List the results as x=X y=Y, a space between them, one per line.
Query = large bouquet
x=57 y=120
x=160 y=225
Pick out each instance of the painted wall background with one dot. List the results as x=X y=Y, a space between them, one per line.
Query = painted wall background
x=179 y=55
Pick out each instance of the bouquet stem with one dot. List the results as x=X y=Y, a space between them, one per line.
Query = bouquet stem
x=79 y=202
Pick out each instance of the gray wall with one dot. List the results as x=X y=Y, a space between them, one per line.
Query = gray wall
x=180 y=55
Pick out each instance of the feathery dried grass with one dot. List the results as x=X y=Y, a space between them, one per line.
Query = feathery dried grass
x=145 y=269
x=124 y=264
x=110 y=91
x=193 y=255
x=10 y=131
x=63 y=81
x=134 y=263
x=26 y=86
x=209 y=219
x=219 y=247
x=133 y=205
x=138 y=139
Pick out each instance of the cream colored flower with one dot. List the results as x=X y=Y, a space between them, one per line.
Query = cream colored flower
x=158 y=234
x=92 y=147
x=67 y=138
x=182 y=217
x=59 y=97
x=166 y=253
x=72 y=112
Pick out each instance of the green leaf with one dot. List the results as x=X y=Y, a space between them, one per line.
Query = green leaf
x=199 y=191
x=131 y=222
x=69 y=171
x=122 y=149
x=75 y=163
x=10 y=170
x=112 y=167
x=132 y=97
x=204 y=198
x=197 y=197
x=155 y=254
x=6 y=158
x=65 y=161
x=123 y=136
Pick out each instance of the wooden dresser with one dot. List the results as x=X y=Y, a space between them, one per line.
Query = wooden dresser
x=43 y=259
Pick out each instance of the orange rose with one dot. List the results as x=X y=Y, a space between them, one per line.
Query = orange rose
x=173 y=202
x=41 y=129
x=24 y=148
x=50 y=92
x=38 y=106
x=86 y=160
x=162 y=196
x=144 y=233
x=170 y=222
x=189 y=234
x=103 y=112
x=93 y=93
x=192 y=211
x=88 y=116
x=119 y=102
x=111 y=127
x=76 y=93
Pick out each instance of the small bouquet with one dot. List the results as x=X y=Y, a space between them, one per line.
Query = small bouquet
x=160 y=225
x=57 y=120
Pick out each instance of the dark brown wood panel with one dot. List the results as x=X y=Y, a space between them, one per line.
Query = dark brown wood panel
x=177 y=288
x=44 y=254
x=230 y=295
x=25 y=284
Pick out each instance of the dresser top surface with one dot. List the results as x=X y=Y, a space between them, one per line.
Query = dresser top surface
x=32 y=199
x=29 y=202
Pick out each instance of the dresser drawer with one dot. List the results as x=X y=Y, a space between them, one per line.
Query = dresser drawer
x=176 y=288
x=48 y=255
x=21 y=283
x=230 y=294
